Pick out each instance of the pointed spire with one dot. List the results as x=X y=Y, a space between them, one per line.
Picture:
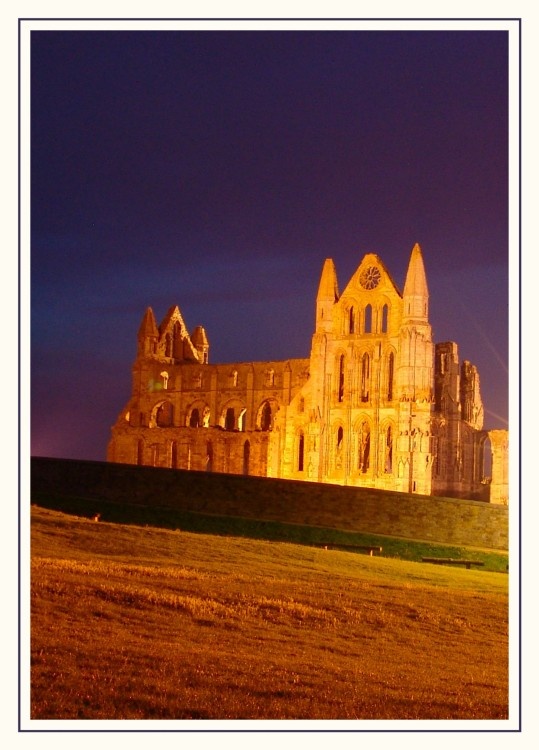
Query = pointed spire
x=416 y=292
x=148 y=327
x=328 y=289
x=328 y=294
x=199 y=338
x=415 y=371
x=416 y=279
x=147 y=334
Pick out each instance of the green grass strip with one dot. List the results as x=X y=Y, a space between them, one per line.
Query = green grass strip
x=170 y=518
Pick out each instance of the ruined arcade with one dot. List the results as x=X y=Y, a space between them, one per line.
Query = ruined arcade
x=378 y=403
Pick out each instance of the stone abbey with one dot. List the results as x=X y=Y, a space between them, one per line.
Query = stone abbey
x=377 y=403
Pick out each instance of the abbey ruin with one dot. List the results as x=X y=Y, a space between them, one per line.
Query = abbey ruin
x=377 y=403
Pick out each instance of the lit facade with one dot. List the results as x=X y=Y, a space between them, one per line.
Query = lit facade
x=377 y=404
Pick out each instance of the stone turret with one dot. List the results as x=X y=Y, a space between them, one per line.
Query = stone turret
x=148 y=335
x=328 y=295
x=416 y=293
x=201 y=344
x=416 y=349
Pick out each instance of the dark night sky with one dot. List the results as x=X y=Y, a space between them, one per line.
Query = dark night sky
x=217 y=171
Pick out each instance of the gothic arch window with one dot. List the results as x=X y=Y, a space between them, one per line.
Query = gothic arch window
x=388 y=466
x=174 y=455
x=233 y=416
x=365 y=377
x=385 y=318
x=209 y=456
x=487 y=461
x=265 y=417
x=435 y=459
x=246 y=456
x=390 y=375
x=351 y=321
x=163 y=414
x=198 y=415
x=367 y=328
x=364 y=447
x=339 y=442
x=164 y=376
x=340 y=385
x=155 y=454
x=439 y=447
x=168 y=345
x=230 y=419
x=442 y=363
x=301 y=451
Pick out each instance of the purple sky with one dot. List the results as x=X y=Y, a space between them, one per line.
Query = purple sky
x=217 y=171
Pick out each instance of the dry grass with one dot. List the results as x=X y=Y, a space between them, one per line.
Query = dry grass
x=140 y=623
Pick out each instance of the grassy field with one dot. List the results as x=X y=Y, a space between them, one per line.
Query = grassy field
x=144 y=623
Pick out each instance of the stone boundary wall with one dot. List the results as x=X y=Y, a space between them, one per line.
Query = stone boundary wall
x=437 y=519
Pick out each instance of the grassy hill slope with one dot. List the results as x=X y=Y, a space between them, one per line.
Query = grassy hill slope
x=147 y=623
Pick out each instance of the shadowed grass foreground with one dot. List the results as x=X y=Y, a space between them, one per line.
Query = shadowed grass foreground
x=144 y=623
